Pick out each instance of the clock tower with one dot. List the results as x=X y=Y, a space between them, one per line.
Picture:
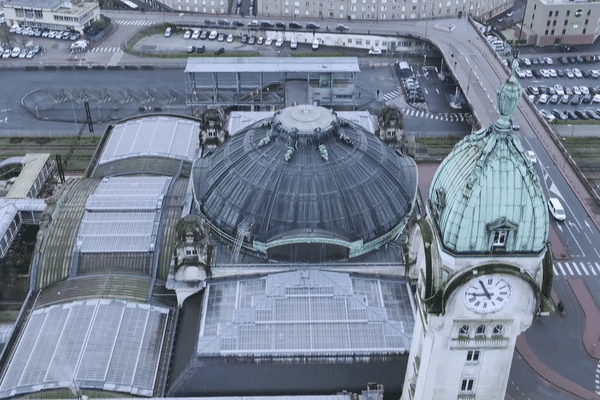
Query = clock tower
x=480 y=261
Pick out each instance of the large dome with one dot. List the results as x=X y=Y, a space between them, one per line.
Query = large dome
x=307 y=185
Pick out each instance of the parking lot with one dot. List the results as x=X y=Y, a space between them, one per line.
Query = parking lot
x=563 y=88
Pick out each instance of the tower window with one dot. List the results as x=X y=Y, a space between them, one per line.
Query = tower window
x=498 y=329
x=500 y=238
x=480 y=330
x=467 y=385
x=463 y=331
x=473 y=355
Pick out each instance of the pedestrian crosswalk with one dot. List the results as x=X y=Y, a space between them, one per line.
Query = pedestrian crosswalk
x=134 y=22
x=574 y=268
x=105 y=50
x=391 y=95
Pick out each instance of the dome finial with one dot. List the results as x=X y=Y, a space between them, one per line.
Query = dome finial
x=508 y=97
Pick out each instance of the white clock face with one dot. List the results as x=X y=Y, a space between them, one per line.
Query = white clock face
x=487 y=294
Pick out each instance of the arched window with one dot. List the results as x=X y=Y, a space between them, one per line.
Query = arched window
x=463 y=331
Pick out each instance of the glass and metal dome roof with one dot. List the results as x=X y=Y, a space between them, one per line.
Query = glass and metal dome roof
x=306 y=176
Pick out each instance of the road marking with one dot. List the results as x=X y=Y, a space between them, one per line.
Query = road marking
x=576 y=269
x=569 y=268
x=597 y=266
x=584 y=269
x=561 y=268
x=592 y=268
x=555 y=271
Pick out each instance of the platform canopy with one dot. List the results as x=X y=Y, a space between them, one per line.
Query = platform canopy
x=272 y=64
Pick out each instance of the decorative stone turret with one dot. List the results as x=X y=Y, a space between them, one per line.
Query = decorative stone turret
x=190 y=264
x=212 y=128
x=391 y=126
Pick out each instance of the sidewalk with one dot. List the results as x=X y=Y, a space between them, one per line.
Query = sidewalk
x=591 y=342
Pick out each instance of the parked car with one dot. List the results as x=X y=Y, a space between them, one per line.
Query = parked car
x=315 y=44
x=260 y=40
x=220 y=51
x=268 y=42
x=251 y=40
x=191 y=49
x=221 y=37
x=213 y=35
x=196 y=34
x=294 y=43
x=312 y=25
x=295 y=25
x=6 y=53
x=15 y=52
x=266 y=24
x=187 y=34
x=342 y=27
x=531 y=156
x=375 y=52
x=547 y=115
x=201 y=49
x=514 y=125
x=279 y=42
x=254 y=24
x=167 y=32
x=230 y=38
x=244 y=38
x=204 y=35
x=556 y=209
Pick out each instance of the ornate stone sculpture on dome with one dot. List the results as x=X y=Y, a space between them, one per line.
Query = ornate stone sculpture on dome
x=508 y=96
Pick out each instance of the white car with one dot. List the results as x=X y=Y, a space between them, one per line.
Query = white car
x=548 y=60
x=584 y=90
x=375 y=52
x=543 y=99
x=268 y=41
x=520 y=74
x=576 y=90
x=15 y=52
x=23 y=53
x=527 y=62
x=221 y=37
x=279 y=42
x=167 y=33
x=294 y=43
x=556 y=209
x=577 y=73
x=531 y=156
x=595 y=99
x=559 y=90
x=528 y=73
x=187 y=34
x=6 y=53
x=547 y=115
x=229 y=38
x=545 y=73
x=569 y=73
x=552 y=73
x=213 y=35
x=196 y=34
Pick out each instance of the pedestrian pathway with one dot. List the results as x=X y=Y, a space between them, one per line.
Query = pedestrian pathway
x=576 y=268
x=134 y=22
x=591 y=333
x=105 y=50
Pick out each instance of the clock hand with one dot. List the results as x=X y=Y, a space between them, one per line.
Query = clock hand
x=477 y=294
x=485 y=290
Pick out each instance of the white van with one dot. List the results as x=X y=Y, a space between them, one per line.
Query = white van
x=315 y=44
x=556 y=209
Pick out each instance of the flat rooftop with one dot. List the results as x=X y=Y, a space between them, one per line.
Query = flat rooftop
x=272 y=64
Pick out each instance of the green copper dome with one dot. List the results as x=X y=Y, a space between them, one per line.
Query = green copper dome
x=486 y=196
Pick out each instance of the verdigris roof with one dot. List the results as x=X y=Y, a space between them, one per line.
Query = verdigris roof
x=487 y=185
x=305 y=172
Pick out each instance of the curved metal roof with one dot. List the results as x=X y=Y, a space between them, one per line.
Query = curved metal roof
x=487 y=184
x=305 y=175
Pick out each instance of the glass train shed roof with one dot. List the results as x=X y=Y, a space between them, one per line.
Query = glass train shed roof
x=306 y=312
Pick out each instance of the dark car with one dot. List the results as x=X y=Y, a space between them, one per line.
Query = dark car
x=201 y=49
x=312 y=25
x=191 y=49
x=204 y=35
x=591 y=114
x=572 y=59
x=266 y=24
x=579 y=59
x=209 y=22
x=238 y=23
x=580 y=114
x=587 y=98
x=536 y=73
x=220 y=51
x=576 y=99
x=560 y=73
x=559 y=114
x=223 y=22
x=535 y=61
x=280 y=25
x=295 y=25
x=571 y=115
x=567 y=48
x=563 y=60
x=585 y=73
x=244 y=38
